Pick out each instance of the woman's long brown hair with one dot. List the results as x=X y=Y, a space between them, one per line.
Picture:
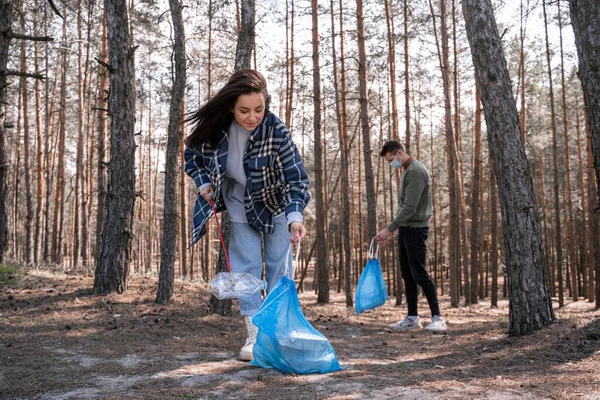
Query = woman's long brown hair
x=214 y=118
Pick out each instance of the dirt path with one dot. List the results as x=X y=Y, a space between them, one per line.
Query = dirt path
x=59 y=341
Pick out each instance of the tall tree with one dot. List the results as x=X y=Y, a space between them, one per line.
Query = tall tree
x=112 y=268
x=453 y=219
x=59 y=199
x=172 y=165
x=475 y=250
x=5 y=27
x=585 y=18
x=343 y=140
x=101 y=116
x=557 y=209
x=346 y=149
x=530 y=305
x=570 y=228
x=246 y=37
x=321 y=209
x=26 y=144
x=364 y=116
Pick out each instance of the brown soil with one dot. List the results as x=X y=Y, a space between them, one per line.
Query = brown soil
x=59 y=341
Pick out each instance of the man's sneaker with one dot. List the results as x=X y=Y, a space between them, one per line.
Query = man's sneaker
x=437 y=324
x=407 y=324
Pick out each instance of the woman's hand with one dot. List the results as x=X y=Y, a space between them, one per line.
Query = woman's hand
x=298 y=231
x=208 y=193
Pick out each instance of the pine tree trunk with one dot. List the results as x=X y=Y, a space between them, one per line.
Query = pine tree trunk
x=406 y=80
x=346 y=256
x=453 y=219
x=587 y=269
x=79 y=179
x=292 y=62
x=567 y=170
x=475 y=262
x=493 y=236
x=183 y=194
x=102 y=106
x=87 y=186
x=346 y=150
x=246 y=37
x=593 y=220
x=172 y=165
x=26 y=148
x=39 y=146
x=322 y=260
x=557 y=219
x=5 y=26
x=530 y=305
x=59 y=203
x=585 y=19
x=364 y=115
x=112 y=269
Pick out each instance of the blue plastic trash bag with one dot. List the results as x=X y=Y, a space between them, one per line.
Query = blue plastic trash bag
x=286 y=340
x=371 y=290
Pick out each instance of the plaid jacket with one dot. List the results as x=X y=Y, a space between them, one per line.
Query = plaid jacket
x=276 y=180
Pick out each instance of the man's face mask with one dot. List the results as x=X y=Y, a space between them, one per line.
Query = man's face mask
x=395 y=164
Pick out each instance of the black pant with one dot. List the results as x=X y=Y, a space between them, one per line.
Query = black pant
x=412 y=243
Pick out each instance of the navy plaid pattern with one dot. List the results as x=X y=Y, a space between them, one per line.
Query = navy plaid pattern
x=276 y=180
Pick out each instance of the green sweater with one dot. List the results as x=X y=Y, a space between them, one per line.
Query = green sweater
x=414 y=198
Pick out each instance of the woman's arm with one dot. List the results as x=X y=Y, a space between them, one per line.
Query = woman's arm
x=194 y=167
x=296 y=180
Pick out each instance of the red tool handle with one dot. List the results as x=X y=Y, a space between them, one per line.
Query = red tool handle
x=212 y=205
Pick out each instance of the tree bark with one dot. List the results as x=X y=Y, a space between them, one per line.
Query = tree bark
x=172 y=167
x=346 y=150
x=364 y=114
x=346 y=257
x=557 y=219
x=112 y=269
x=245 y=43
x=39 y=143
x=5 y=27
x=101 y=139
x=26 y=147
x=530 y=305
x=59 y=201
x=475 y=262
x=322 y=261
x=570 y=228
x=453 y=219
x=585 y=19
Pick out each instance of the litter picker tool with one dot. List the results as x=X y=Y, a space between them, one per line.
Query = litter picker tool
x=231 y=285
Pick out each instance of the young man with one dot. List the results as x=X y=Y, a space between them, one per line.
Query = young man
x=412 y=224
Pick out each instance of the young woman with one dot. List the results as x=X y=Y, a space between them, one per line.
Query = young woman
x=242 y=156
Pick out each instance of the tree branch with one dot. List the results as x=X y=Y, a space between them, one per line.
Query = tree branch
x=105 y=65
x=26 y=75
x=55 y=9
x=13 y=35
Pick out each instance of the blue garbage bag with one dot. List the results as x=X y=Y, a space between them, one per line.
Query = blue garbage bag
x=371 y=290
x=286 y=340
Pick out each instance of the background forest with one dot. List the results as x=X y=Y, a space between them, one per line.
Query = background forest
x=57 y=137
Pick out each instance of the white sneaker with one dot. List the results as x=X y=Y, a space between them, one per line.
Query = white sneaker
x=437 y=324
x=246 y=351
x=407 y=324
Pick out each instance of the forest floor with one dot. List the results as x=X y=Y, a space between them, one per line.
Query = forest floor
x=60 y=341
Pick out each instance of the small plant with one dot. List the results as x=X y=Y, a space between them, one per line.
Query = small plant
x=9 y=274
